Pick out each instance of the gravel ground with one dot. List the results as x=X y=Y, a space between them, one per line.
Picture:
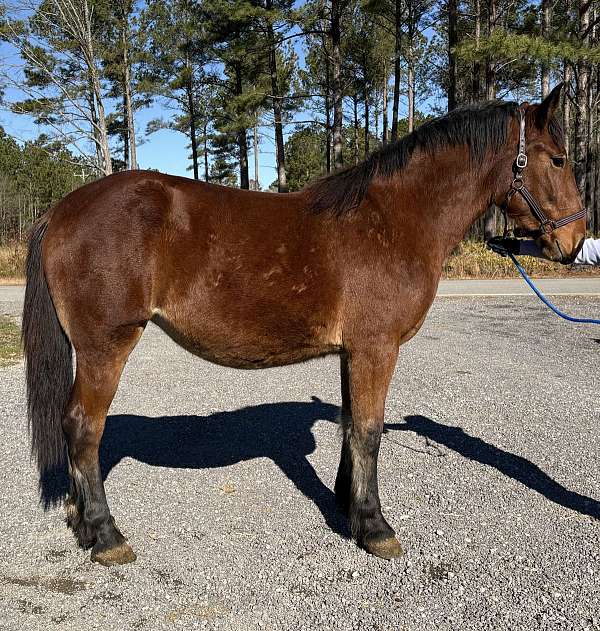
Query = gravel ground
x=221 y=479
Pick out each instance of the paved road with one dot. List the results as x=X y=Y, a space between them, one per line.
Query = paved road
x=489 y=471
x=518 y=287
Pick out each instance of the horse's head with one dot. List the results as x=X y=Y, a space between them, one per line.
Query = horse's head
x=543 y=198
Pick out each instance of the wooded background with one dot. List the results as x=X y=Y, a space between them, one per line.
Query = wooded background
x=327 y=80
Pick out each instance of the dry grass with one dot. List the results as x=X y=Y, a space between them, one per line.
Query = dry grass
x=10 y=342
x=473 y=260
x=12 y=262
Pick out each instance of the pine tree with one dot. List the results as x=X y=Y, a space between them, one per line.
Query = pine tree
x=174 y=68
x=60 y=44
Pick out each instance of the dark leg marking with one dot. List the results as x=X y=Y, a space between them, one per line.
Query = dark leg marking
x=343 y=480
x=370 y=372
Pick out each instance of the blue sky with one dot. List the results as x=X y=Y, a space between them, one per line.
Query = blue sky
x=164 y=150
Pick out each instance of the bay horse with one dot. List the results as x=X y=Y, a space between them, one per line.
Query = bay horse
x=349 y=265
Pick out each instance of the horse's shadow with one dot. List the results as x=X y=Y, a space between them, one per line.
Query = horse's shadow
x=282 y=433
x=511 y=465
x=278 y=431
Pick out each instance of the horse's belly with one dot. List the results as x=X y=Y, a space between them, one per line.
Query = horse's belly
x=260 y=343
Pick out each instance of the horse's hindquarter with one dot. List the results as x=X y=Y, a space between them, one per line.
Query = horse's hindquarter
x=247 y=279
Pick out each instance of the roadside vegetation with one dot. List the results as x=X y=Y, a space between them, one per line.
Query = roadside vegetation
x=12 y=262
x=10 y=342
x=473 y=260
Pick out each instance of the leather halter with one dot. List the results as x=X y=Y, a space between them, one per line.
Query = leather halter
x=518 y=186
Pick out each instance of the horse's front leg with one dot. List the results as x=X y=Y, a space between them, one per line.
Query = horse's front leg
x=343 y=480
x=365 y=380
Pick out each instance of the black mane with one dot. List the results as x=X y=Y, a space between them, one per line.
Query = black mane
x=482 y=127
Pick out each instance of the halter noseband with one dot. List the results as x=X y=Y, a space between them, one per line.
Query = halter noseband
x=518 y=186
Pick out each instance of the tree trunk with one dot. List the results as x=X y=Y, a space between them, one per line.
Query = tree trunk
x=243 y=148
x=128 y=113
x=566 y=104
x=366 y=121
x=94 y=118
x=384 y=137
x=476 y=82
x=241 y=136
x=102 y=131
x=376 y=114
x=489 y=221
x=327 y=115
x=336 y=34
x=582 y=112
x=596 y=213
x=86 y=43
x=596 y=226
x=125 y=132
x=589 y=162
x=452 y=42
x=205 y=142
x=490 y=66
x=397 y=53
x=546 y=9
x=192 y=115
x=411 y=97
x=282 y=186
x=355 y=110
x=256 y=172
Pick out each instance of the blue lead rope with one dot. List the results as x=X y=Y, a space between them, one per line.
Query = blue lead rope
x=545 y=300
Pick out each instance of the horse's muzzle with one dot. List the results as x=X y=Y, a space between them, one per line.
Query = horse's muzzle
x=555 y=249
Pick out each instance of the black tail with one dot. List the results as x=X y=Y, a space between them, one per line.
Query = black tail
x=48 y=358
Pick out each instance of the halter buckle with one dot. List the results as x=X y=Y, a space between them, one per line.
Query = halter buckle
x=547 y=226
x=521 y=161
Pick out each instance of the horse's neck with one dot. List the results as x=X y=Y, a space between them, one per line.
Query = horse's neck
x=446 y=196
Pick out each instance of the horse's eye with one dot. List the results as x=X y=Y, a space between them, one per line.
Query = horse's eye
x=559 y=161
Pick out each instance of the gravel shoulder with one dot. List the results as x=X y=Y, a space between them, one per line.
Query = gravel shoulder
x=222 y=480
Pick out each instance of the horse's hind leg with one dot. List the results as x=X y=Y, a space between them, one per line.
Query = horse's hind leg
x=368 y=376
x=96 y=381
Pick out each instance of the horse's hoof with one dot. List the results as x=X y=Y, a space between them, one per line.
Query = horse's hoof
x=384 y=548
x=119 y=555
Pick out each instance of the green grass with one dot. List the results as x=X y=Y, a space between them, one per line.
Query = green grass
x=10 y=342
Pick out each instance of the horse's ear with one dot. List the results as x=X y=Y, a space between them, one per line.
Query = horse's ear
x=548 y=107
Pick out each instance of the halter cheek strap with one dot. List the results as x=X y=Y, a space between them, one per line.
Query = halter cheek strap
x=518 y=186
